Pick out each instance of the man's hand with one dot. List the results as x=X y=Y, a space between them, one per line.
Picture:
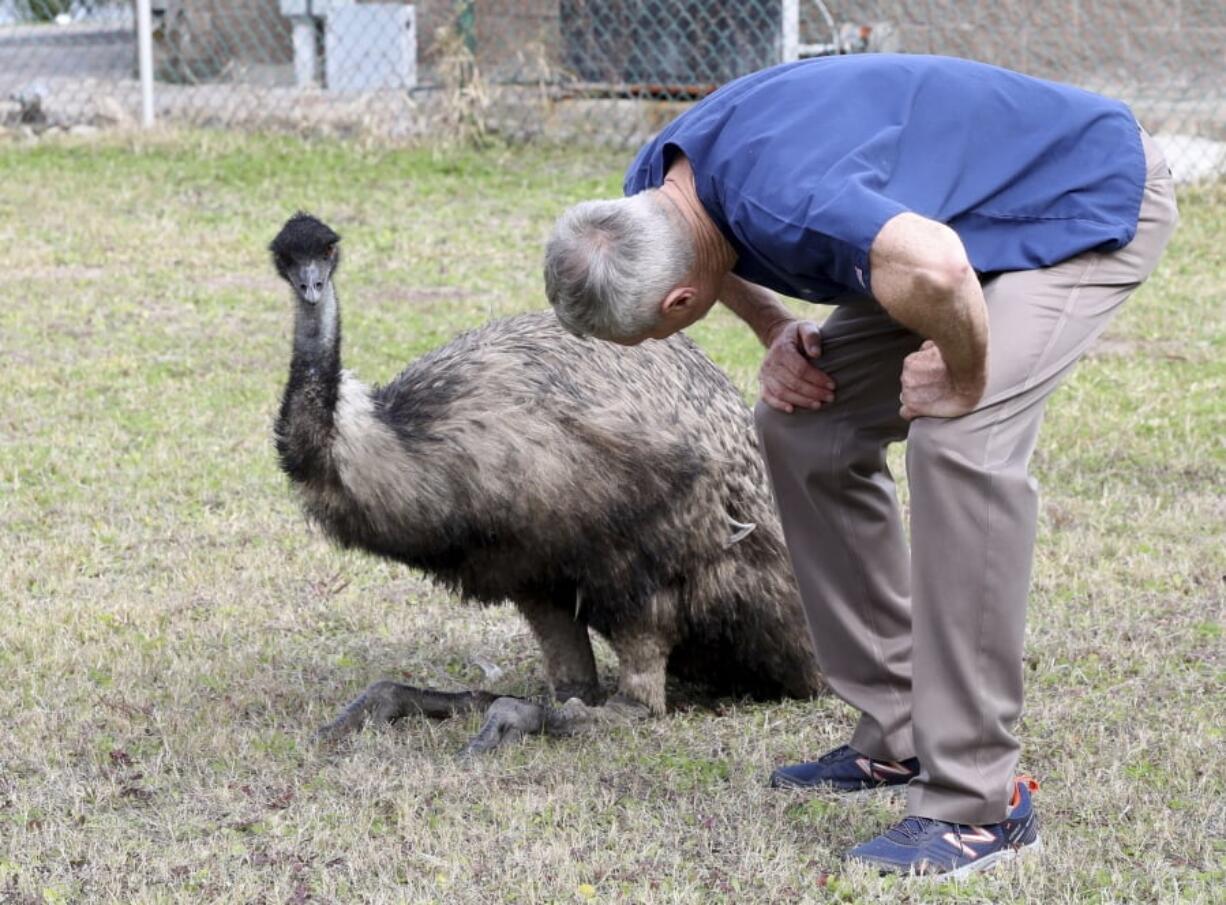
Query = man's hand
x=928 y=390
x=788 y=377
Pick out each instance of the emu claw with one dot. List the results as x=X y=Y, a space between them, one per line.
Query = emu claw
x=507 y=720
x=510 y=719
x=376 y=704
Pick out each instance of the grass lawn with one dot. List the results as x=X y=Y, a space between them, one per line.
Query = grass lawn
x=171 y=630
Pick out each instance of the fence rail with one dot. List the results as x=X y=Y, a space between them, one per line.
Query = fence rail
x=608 y=71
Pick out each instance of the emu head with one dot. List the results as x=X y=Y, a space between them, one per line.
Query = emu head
x=306 y=254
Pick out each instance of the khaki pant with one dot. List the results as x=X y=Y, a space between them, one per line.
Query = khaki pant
x=927 y=643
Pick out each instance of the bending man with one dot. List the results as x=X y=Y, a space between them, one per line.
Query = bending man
x=976 y=229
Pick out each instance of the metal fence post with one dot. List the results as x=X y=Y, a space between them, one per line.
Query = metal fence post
x=304 y=50
x=789 y=31
x=144 y=50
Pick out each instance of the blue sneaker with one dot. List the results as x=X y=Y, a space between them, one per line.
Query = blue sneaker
x=921 y=846
x=845 y=770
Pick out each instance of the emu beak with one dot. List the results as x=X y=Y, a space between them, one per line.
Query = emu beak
x=312 y=295
x=740 y=531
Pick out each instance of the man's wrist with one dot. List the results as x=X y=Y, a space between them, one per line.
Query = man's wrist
x=773 y=329
x=972 y=386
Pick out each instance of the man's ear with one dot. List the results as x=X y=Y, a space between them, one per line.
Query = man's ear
x=678 y=301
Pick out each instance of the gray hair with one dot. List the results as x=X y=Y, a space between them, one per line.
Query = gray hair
x=609 y=264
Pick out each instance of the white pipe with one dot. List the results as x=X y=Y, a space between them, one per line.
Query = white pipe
x=144 y=52
x=789 y=31
x=304 y=51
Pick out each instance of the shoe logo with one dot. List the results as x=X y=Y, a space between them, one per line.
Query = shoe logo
x=874 y=769
x=959 y=840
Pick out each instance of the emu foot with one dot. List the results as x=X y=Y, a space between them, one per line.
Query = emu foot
x=386 y=702
x=510 y=719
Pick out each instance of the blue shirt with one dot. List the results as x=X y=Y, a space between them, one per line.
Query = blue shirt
x=802 y=164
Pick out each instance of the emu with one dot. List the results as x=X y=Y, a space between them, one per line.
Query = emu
x=593 y=486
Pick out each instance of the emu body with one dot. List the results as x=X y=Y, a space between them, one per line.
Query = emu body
x=591 y=485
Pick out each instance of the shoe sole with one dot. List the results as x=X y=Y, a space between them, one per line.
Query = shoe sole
x=845 y=794
x=988 y=862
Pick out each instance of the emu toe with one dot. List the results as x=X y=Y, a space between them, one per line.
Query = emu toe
x=507 y=720
x=385 y=702
x=624 y=708
x=510 y=719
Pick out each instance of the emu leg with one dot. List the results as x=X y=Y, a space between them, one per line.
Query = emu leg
x=385 y=702
x=569 y=663
x=642 y=659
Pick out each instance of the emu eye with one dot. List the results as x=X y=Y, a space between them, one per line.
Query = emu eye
x=319 y=285
x=302 y=286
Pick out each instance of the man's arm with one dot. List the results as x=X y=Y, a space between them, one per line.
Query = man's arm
x=756 y=306
x=788 y=376
x=922 y=277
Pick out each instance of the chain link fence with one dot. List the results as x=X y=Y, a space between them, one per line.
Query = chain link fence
x=607 y=71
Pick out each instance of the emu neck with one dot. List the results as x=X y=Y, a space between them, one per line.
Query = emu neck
x=305 y=426
x=317 y=332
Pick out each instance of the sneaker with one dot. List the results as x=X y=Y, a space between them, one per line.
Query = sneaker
x=845 y=770
x=921 y=846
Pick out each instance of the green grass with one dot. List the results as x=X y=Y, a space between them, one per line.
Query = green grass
x=171 y=630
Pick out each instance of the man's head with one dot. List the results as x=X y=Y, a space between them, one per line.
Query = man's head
x=621 y=270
